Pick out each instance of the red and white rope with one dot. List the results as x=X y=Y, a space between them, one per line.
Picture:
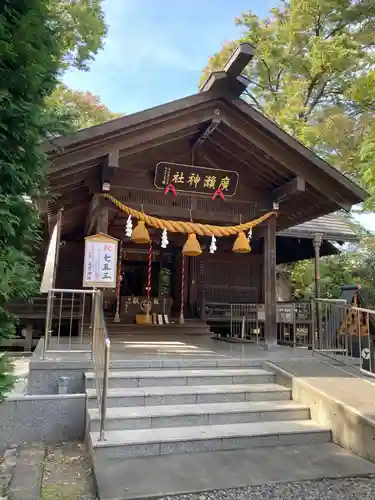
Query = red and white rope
x=182 y=285
x=149 y=271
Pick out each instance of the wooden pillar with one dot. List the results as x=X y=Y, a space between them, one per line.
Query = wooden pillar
x=317 y=243
x=102 y=221
x=270 y=326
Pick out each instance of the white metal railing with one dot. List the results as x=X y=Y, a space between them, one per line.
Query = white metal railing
x=67 y=314
x=294 y=323
x=101 y=348
x=247 y=321
x=345 y=332
x=74 y=320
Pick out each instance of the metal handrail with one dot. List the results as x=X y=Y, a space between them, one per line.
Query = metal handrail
x=346 y=333
x=58 y=308
x=101 y=348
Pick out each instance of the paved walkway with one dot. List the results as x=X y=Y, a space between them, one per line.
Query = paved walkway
x=341 y=383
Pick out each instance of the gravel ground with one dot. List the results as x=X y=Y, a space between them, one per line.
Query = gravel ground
x=327 y=489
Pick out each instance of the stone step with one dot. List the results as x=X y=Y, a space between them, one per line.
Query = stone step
x=144 y=417
x=180 y=395
x=205 y=473
x=151 y=378
x=119 y=330
x=177 y=440
x=182 y=363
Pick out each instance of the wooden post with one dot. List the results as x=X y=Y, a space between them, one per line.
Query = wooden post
x=102 y=222
x=270 y=325
x=317 y=243
x=58 y=243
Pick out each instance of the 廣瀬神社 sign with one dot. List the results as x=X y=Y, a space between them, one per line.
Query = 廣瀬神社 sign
x=193 y=179
x=100 y=264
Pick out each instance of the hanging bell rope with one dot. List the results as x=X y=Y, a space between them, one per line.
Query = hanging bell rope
x=173 y=226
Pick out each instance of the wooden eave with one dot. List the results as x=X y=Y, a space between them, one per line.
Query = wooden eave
x=244 y=137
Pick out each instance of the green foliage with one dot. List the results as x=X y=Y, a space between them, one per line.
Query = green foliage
x=77 y=110
x=350 y=267
x=29 y=63
x=313 y=74
x=80 y=27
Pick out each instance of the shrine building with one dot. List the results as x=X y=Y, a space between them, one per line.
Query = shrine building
x=214 y=193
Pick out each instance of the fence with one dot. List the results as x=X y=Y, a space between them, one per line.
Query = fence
x=246 y=321
x=67 y=314
x=75 y=319
x=294 y=323
x=345 y=333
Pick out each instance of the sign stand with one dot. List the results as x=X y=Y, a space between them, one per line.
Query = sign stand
x=100 y=264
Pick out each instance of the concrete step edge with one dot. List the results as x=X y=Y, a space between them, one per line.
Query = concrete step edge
x=185 y=373
x=182 y=364
x=138 y=412
x=205 y=432
x=190 y=389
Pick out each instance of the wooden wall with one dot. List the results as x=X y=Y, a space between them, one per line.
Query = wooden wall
x=70 y=268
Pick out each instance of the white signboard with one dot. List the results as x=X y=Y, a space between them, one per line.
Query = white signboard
x=100 y=265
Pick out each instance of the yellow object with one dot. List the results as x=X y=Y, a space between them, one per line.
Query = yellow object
x=143 y=319
x=241 y=245
x=140 y=233
x=192 y=247
x=175 y=226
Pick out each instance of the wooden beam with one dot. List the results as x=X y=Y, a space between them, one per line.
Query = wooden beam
x=296 y=157
x=270 y=323
x=93 y=214
x=230 y=78
x=108 y=169
x=207 y=132
x=114 y=127
x=102 y=221
x=221 y=82
x=163 y=131
x=290 y=188
x=239 y=59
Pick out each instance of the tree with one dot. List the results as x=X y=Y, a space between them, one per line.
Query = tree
x=29 y=64
x=75 y=110
x=350 y=267
x=80 y=27
x=313 y=74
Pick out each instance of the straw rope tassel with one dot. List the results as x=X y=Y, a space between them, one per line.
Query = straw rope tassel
x=173 y=226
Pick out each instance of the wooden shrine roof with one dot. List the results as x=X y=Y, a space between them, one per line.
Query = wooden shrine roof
x=239 y=138
x=332 y=227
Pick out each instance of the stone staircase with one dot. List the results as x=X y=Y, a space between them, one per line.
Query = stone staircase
x=189 y=406
x=189 y=328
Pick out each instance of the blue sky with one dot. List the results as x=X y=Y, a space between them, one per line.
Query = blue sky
x=156 y=49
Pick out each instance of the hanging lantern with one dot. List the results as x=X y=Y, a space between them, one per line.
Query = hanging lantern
x=129 y=227
x=192 y=247
x=241 y=245
x=140 y=234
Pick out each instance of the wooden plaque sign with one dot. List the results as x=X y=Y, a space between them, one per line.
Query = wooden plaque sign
x=100 y=264
x=193 y=179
